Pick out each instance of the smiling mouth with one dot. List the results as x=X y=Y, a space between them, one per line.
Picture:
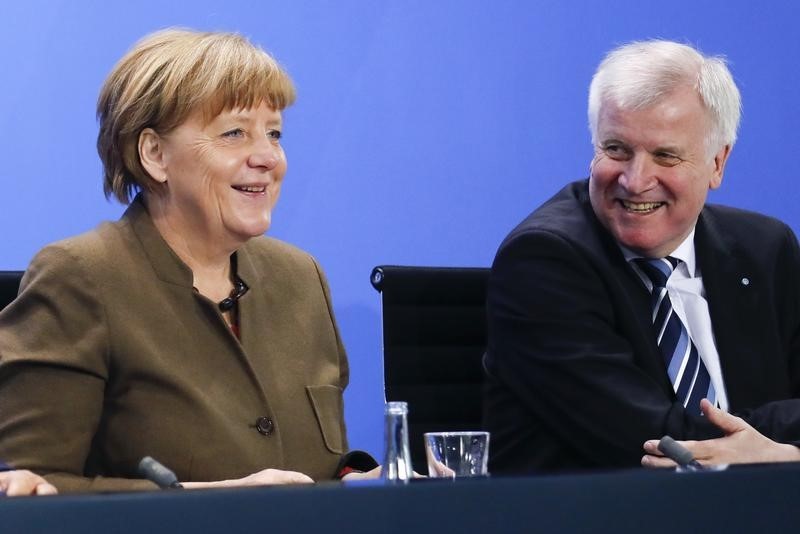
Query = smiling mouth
x=641 y=207
x=250 y=188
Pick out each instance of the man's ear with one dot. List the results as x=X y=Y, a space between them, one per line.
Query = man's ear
x=151 y=154
x=720 y=159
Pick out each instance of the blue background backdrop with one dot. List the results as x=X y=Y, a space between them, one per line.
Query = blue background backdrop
x=423 y=132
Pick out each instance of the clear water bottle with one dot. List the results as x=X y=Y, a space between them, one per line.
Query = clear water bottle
x=397 y=456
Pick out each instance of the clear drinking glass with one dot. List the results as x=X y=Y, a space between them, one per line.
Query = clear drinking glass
x=457 y=454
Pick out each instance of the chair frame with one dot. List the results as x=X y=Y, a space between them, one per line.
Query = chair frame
x=434 y=337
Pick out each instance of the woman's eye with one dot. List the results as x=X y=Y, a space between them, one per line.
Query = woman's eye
x=274 y=135
x=236 y=132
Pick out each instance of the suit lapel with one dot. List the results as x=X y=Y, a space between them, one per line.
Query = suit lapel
x=632 y=300
x=732 y=292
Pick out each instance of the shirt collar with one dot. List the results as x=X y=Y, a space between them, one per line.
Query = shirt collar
x=684 y=252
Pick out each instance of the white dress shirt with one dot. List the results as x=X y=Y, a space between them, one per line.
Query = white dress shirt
x=688 y=296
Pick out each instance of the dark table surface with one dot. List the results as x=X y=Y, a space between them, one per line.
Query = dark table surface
x=761 y=499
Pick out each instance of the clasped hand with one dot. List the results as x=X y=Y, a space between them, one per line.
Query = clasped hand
x=741 y=444
x=21 y=483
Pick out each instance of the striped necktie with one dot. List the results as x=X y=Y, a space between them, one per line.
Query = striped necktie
x=686 y=370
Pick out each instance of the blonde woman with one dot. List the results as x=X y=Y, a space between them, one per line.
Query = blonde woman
x=179 y=332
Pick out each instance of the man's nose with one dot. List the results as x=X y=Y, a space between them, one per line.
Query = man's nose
x=639 y=175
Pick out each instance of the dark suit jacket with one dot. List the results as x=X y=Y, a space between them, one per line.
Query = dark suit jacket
x=576 y=379
x=109 y=355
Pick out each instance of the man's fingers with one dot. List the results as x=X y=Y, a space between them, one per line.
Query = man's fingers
x=726 y=422
x=701 y=450
x=651 y=447
x=649 y=460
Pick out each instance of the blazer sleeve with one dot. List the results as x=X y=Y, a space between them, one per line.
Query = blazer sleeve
x=54 y=365
x=344 y=367
x=557 y=343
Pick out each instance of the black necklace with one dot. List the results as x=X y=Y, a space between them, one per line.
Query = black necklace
x=239 y=289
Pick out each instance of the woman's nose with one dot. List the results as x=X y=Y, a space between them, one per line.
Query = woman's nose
x=265 y=153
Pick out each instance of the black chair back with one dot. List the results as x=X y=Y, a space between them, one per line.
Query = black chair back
x=9 y=286
x=434 y=337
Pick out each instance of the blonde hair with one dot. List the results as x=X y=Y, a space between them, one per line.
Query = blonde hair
x=164 y=78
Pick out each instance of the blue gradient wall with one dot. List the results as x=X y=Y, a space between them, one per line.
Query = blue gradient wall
x=424 y=130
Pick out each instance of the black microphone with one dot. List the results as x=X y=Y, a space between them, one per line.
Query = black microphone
x=155 y=471
x=679 y=454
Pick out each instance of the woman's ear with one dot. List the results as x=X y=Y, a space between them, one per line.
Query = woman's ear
x=151 y=154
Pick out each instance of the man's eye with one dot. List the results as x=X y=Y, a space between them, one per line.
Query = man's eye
x=666 y=159
x=236 y=132
x=615 y=151
x=275 y=135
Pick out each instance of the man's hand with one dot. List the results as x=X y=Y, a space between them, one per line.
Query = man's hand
x=742 y=444
x=21 y=483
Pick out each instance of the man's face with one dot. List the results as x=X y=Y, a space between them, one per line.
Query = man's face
x=651 y=171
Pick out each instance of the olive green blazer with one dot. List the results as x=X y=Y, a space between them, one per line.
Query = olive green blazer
x=109 y=354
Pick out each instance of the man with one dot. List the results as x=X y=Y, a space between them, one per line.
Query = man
x=624 y=300
x=19 y=483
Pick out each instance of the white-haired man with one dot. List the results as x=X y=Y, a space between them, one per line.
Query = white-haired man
x=625 y=308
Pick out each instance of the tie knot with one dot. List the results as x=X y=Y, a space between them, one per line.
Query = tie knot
x=658 y=270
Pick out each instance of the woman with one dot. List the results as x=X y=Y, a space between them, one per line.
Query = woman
x=179 y=332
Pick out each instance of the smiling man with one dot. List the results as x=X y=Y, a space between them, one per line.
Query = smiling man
x=620 y=304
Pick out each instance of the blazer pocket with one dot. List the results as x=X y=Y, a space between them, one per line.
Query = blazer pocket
x=328 y=407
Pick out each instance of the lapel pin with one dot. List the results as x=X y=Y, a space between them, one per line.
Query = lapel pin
x=745 y=281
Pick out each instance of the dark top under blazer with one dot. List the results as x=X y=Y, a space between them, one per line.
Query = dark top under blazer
x=109 y=354
x=576 y=379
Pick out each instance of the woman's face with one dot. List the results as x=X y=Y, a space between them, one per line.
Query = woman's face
x=223 y=177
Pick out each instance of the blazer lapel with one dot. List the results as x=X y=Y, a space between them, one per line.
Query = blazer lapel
x=257 y=329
